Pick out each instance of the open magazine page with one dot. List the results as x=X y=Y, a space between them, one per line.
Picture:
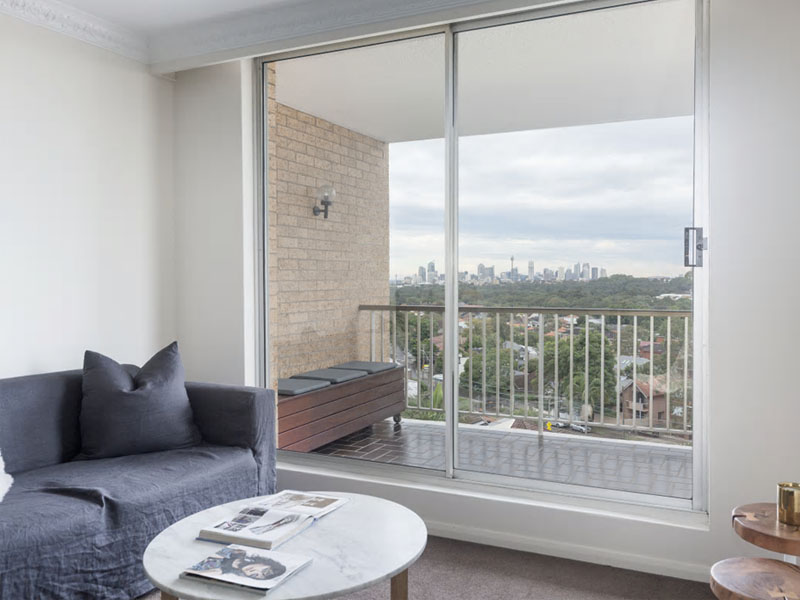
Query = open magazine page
x=315 y=505
x=259 y=525
x=247 y=567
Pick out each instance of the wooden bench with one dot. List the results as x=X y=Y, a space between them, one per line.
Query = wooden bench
x=311 y=420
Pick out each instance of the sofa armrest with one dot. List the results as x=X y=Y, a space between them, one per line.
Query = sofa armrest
x=238 y=416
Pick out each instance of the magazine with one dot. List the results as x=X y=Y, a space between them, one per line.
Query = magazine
x=246 y=568
x=270 y=522
x=315 y=505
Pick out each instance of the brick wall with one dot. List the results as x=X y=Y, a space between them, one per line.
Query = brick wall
x=320 y=270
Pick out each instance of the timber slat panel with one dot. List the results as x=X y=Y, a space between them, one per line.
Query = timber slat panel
x=288 y=405
x=346 y=417
x=335 y=433
x=303 y=417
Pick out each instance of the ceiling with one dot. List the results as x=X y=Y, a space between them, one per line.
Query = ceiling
x=621 y=64
x=149 y=17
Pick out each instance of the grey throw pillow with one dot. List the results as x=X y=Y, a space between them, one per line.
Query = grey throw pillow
x=127 y=412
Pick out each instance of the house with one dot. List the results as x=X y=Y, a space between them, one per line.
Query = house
x=647 y=400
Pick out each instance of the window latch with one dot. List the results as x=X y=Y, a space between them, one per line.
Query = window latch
x=694 y=244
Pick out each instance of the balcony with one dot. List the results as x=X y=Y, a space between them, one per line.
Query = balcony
x=561 y=427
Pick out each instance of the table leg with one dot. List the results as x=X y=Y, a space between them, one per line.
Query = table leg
x=400 y=586
x=166 y=596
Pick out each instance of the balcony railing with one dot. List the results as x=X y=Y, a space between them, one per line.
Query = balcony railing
x=530 y=363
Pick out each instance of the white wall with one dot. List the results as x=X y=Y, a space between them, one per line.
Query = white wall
x=86 y=257
x=754 y=294
x=214 y=232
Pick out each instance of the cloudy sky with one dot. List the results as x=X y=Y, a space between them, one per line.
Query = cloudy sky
x=616 y=195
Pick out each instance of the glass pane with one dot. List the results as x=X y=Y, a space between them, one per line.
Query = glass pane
x=368 y=124
x=575 y=184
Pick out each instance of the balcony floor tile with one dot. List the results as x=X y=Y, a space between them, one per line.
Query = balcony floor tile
x=625 y=466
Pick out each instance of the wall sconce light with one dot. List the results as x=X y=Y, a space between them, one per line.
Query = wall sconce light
x=325 y=195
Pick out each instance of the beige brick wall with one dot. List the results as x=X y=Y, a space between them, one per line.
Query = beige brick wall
x=320 y=270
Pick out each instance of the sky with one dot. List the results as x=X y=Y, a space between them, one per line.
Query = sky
x=615 y=195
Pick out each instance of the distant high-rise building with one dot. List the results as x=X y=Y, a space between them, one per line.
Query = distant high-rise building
x=530 y=270
x=576 y=271
x=433 y=276
x=568 y=276
x=594 y=272
x=489 y=271
x=481 y=271
x=421 y=274
x=547 y=275
x=586 y=272
x=561 y=273
x=603 y=273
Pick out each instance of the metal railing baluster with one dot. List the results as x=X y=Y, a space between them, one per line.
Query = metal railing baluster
x=619 y=375
x=652 y=360
x=469 y=354
x=571 y=366
x=512 y=359
x=685 y=373
x=602 y=369
x=419 y=359
x=540 y=416
x=635 y=380
x=406 y=360
x=586 y=374
x=431 y=362
x=525 y=323
x=556 y=395
x=483 y=361
x=497 y=365
x=669 y=368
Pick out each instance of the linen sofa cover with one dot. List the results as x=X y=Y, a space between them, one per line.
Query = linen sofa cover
x=78 y=528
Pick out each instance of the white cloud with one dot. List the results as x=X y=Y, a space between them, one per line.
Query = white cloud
x=616 y=195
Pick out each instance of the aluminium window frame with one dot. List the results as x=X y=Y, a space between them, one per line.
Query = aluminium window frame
x=700 y=363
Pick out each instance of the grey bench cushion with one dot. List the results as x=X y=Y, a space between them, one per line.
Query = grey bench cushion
x=331 y=375
x=293 y=387
x=365 y=365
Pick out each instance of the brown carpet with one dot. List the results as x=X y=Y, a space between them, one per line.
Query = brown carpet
x=451 y=570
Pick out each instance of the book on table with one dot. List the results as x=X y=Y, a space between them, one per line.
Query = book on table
x=269 y=522
x=244 y=568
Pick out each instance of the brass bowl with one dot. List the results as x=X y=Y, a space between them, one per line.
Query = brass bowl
x=789 y=503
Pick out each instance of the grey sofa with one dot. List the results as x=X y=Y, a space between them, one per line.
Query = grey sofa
x=78 y=528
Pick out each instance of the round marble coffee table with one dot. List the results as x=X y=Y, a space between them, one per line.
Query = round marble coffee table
x=366 y=541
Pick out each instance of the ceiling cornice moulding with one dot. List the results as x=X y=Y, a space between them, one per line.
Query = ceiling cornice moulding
x=78 y=24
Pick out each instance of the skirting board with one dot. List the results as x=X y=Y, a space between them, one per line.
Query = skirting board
x=590 y=554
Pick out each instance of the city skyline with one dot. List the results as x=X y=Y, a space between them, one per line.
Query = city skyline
x=484 y=273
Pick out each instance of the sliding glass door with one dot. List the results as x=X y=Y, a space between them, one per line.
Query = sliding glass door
x=576 y=166
x=506 y=236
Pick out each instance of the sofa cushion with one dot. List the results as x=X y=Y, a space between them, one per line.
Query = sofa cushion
x=39 y=419
x=78 y=530
x=124 y=413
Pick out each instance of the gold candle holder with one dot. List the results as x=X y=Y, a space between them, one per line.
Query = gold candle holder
x=789 y=503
